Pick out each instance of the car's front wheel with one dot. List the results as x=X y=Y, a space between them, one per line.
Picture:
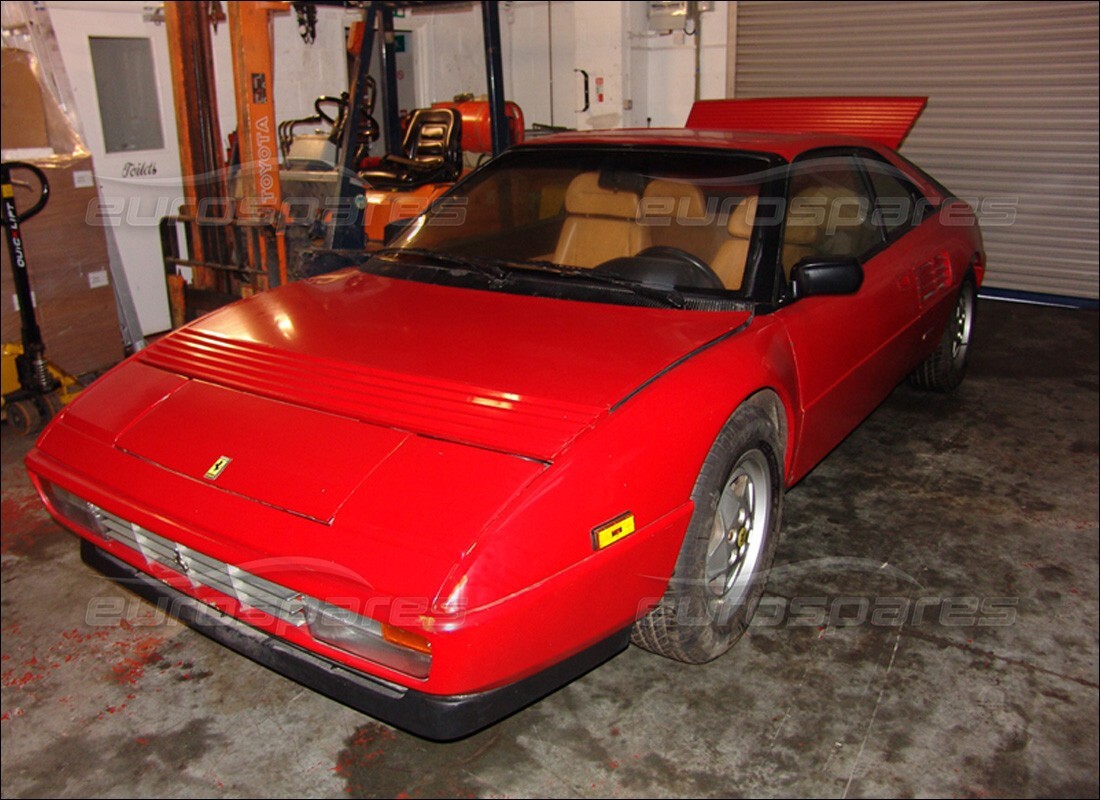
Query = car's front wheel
x=730 y=543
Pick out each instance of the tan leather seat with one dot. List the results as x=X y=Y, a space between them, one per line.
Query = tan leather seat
x=676 y=214
x=729 y=261
x=826 y=221
x=601 y=224
x=801 y=231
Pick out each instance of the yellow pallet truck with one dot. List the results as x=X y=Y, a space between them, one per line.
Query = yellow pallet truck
x=33 y=389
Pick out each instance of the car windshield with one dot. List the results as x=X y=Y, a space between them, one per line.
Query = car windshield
x=673 y=220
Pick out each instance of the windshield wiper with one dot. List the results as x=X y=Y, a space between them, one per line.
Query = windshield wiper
x=499 y=271
x=665 y=295
x=485 y=267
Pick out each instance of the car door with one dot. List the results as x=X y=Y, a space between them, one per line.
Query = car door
x=902 y=211
x=850 y=350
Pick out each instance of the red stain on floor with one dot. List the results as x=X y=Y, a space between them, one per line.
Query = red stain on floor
x=10 y=679
x=137 y=655
x=24 y=522
x=112 y=652
x=368 y=744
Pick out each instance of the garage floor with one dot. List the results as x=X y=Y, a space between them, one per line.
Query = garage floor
x=930 y=629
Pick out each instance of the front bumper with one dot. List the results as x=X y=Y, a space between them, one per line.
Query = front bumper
x=438 y=717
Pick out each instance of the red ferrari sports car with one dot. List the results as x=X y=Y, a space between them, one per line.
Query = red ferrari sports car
x=556 y=415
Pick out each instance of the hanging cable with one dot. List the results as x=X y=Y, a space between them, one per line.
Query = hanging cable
x=307 y=21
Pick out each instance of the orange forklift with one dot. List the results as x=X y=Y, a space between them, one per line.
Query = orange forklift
x=285 y=205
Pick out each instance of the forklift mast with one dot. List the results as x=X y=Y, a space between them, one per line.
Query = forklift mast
x=261 y=200
x=236 y=248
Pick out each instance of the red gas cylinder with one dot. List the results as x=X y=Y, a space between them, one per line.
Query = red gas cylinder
x=477 y=132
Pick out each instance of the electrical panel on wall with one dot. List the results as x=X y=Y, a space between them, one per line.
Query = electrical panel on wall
x=670 y=15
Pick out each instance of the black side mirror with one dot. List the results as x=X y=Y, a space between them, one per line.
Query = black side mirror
x=816 y=275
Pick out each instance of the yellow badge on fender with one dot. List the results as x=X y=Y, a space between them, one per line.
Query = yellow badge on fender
x=217 y=468
x=610 y=532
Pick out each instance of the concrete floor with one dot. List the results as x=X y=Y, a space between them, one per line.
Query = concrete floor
x=931 y=630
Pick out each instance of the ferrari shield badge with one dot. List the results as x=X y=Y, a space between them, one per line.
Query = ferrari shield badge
x=217 y=468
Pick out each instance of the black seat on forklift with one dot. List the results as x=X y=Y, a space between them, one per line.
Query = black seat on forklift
x=432 y=152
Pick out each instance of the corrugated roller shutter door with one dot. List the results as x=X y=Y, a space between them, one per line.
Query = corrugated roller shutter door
x=1012 y=117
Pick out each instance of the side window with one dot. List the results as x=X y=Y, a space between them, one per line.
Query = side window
x=829 y=212
x=898 y=204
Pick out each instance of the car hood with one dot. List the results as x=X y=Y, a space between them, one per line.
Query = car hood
x=510 y=373
x=402 y=417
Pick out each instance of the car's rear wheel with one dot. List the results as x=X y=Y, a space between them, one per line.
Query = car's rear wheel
x=944 y=370
x=722 y=569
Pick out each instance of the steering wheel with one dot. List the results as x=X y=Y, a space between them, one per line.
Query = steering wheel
x=368 y=126
x=698 y=274
x=340 y=103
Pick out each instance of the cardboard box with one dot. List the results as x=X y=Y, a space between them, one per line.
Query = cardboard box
x=69 y=272
x=22 y=114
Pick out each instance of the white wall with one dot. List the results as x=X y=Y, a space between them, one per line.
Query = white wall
x=654 y=74
x=450 y=56
x=666 y=90
x=537 y=38
x=600 y=33
x=648 y=78
x=450 y=52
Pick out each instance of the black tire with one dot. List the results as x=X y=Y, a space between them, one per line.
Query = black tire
x=944 y=370
x=702 y=614
x=53 y=404
x=24 y=417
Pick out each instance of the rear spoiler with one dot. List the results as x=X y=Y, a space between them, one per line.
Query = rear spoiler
x=886 y=120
